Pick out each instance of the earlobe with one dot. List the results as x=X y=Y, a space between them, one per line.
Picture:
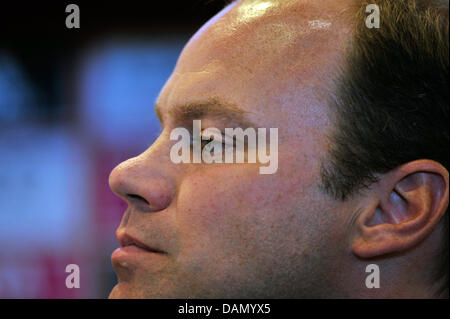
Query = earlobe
x=406 y=205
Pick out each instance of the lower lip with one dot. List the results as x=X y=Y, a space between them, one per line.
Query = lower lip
x=128 y=253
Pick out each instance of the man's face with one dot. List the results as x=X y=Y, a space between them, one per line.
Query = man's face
x=226 y=230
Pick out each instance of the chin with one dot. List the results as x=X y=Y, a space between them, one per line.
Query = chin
x=124 y=291
x=115 y=293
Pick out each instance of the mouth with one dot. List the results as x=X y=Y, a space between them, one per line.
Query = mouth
x=128 y=242
x=133 y=252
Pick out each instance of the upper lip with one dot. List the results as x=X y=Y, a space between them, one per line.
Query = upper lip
x=126 y=239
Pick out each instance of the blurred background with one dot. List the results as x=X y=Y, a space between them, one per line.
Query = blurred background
x=73 y=104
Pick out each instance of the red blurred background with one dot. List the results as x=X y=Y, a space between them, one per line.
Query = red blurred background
x=73 y=104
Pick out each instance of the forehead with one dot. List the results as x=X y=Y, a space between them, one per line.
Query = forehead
x=266 y=56
x=269 y=31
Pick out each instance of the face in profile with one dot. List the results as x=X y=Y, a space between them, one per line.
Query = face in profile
x=197 y=230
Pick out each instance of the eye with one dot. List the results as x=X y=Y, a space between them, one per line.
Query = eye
x=217 y=137
x=211 y=138
x=229 y=141
x=206 y=141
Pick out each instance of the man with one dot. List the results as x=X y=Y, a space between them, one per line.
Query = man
x=362 y=179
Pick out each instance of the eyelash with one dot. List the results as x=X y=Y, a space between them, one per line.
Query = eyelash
x=205 y=142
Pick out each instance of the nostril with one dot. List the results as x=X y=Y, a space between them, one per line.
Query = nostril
x=138 y=199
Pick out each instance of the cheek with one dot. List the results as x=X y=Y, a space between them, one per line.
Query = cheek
x=214 y=207
x=237 y=226
x=223 y=209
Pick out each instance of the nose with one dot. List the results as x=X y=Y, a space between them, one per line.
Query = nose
x=143 y=182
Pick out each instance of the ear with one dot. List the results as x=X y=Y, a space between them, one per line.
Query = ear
x=402 y=209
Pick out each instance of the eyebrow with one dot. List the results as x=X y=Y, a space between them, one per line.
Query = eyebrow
x=213 y=107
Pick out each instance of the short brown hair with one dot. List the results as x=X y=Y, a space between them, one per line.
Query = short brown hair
x=391 y=99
